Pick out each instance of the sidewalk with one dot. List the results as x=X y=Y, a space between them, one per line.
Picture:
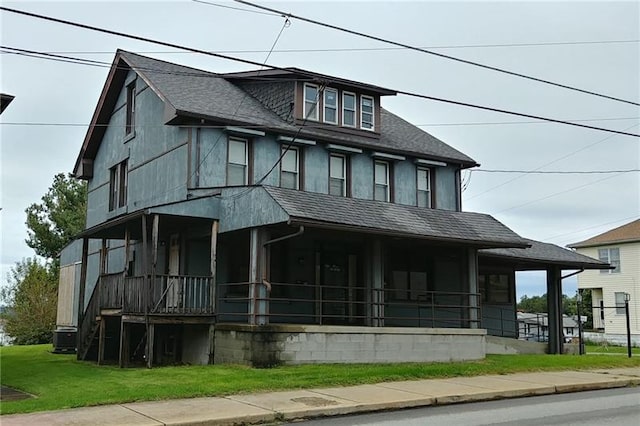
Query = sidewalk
x=298 y=404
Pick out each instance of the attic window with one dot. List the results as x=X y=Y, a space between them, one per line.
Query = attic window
x=349 y=109
x=311 y=102
x=366 y=112
x=118 y=186
x=131 y=109
x=331 y=106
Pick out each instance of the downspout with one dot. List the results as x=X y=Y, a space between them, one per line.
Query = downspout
x=300 y=231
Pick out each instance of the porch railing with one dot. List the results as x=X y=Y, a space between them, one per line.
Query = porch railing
x=111 y=291
x=354 y=305
x=168 y=294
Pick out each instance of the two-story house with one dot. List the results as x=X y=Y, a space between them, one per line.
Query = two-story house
x=619 y=247
x=279 y=216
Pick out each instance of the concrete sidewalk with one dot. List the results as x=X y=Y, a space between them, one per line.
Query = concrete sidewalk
x=298 y=404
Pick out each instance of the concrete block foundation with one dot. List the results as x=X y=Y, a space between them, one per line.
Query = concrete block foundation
x=271 y=345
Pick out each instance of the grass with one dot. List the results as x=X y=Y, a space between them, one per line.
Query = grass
x=608 y=349
x=59 y=381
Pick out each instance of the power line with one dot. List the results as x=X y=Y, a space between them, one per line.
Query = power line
x=313 y=75
x=429 y=52
x=591 y=227
x=547 y=164
x=556 y=172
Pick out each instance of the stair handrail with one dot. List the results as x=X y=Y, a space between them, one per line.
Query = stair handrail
x=88 y=319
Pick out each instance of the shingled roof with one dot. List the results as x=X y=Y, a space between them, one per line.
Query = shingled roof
x=540 y=253
x=627 y=233
x=394 y=219
x=189 y=92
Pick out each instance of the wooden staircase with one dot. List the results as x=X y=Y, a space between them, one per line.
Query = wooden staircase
x=90 y=325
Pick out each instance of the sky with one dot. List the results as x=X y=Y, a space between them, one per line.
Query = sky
x=590 y=45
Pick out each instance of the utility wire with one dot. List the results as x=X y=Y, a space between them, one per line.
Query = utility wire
x=429 y=52
x=590 y=227
x=546 y=164
x=556 y=172
x=313 y=75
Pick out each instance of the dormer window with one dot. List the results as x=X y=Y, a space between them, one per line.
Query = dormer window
x=366 y=112
x=331 y=106
x=348 y=109
x=311 y=102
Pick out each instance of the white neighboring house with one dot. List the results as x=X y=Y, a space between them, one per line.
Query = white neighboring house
x=620 y=247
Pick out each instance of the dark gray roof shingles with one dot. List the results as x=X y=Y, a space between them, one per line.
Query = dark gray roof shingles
x=377 y=216
x=206 y=94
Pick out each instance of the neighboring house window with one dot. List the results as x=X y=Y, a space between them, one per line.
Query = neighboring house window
x=348 y=109
x=331 y=106
x=237 y=164
x=338 y=175
x=118 y=186
x=131 y=109
x=310 y=102
x=366 y=112
x=611 y=256
x=289 y=169
x=620 y=303
x=424 y=187
x=381 y=180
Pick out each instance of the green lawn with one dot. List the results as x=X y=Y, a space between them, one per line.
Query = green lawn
x=608 y=349
x=59 y=381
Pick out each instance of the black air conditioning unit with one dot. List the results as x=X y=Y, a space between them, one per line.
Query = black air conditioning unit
x=64 y=340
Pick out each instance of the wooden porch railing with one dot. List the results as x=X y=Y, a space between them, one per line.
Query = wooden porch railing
x=111 y=291
x=169 y=294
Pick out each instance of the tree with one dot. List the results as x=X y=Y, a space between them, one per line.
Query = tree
x=32 y=302
x=538 y=304
x=60 y=216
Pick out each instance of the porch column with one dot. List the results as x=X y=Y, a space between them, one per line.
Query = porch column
x=213 y=266
x=474 y=299
x=101 y=340
x=554 y=306
x=258 y=309
x=377 y=276
x=154 y=258
x=123 y=358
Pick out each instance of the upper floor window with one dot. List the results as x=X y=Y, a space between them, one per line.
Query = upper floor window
x=338 y=175
x=331 y=106
x=118 y=186
x=424 y=187
x=310 y=102
x=612 y=257
x=348 y=109
x=237 y=163
x=131 y=108
x=289 y=168
x=381 y=181
x=366 y=112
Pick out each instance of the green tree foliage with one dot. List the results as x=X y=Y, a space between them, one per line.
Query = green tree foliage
x=32 y=299
x=54 y=222
x=538 y=304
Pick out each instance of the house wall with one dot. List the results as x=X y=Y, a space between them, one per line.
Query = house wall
x=303 y=344
x=627 y=281
x=156 y=155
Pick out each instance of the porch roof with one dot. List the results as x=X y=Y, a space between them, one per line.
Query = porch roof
x=539 y=255
x=378 y=217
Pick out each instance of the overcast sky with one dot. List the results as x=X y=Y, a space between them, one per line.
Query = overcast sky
x=590 y=45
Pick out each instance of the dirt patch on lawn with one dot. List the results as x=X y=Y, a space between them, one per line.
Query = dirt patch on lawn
x=10 y=394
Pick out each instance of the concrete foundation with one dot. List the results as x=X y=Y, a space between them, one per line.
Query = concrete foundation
x=506 y=346
x=270 y=345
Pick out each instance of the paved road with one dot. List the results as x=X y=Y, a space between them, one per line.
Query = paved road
x=605 y=407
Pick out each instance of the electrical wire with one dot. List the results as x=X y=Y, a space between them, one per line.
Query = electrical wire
x=441 y=55
x=556 y=172
x=578 y=231
x=313 y=75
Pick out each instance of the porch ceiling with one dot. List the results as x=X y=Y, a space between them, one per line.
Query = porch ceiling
x=322 y=210
x=538 y=257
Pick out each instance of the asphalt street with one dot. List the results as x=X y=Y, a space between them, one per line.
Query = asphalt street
x=604 y=407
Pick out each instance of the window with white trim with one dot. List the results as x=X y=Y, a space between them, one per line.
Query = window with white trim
x=237 y=163
x=348 y=109
x=330 y=106
x=366 y=112
x=289 y=169
x=118 y=186
x=424 y=187
x=338 y=175
x=311 y=102
x=381 y=180
x=612 y=257
x=620 y=303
